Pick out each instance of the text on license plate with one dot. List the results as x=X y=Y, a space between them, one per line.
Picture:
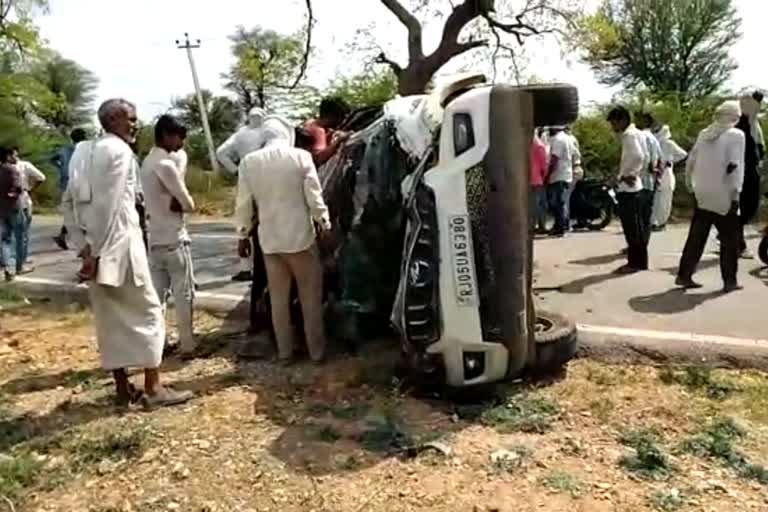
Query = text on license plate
x=460 y=233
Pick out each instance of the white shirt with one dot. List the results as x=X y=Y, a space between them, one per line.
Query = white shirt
x=236 y=148
x=706 y=174
x=563 y=148
x=30 y=176
x=652 y=159
x=162 y=180
x=633 y=159
x=282 y=182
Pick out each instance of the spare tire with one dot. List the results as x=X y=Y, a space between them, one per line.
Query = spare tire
x=556 y=339
x=554 y=104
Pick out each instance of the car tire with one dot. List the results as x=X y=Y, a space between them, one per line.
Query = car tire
x=556 y=341
x=762 y=250
x=554 y=104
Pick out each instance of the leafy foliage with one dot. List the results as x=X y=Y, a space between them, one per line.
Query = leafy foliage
x=365 y=89
x=662 y=45
x=73 y=85
x=649 y=460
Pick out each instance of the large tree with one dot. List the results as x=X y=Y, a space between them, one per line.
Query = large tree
x=223 y=114
x=663 y=46
x=498 y=26
x=73 y=84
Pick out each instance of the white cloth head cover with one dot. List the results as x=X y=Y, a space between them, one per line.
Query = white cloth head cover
x=256 y=117
x=726 y=117
x=278 y=131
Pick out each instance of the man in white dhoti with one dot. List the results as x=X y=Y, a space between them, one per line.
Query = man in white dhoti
x=247 y=139
x=100 y=214
x=167 y=200
x=671 y=154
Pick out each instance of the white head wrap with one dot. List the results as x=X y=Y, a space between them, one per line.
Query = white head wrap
x=726 y=117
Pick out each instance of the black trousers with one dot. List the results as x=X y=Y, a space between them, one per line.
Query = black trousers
x=636 y=228
x=260 y=316
x=749 y=202
x=646 y=208
x=728 y=227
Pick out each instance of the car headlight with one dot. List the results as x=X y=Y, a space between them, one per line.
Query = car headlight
x=463 y=133
x=474 y=365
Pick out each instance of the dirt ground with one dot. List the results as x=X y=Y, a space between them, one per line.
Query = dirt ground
x=349 y=437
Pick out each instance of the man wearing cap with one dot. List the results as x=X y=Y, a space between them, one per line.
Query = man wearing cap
x=281 y=180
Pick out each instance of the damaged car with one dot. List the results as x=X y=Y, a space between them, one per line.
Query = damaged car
x=429 y=199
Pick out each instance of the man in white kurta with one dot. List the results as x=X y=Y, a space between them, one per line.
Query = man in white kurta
x=246 y=140
x=715 y=174
x=671 y=154
x=130 y=328
x=282 y=181
x=31 y=178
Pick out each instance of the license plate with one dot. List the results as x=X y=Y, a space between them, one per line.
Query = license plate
x=462 y=259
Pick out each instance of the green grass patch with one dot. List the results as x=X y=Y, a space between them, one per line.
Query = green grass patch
x=112 y=445
x=667 y=500
x=562 y=483
x=17 y=474
x=323 y=433
x=699 y=379
x=717 y=441
x=11 y=297
x=522 y=412
x=649 y=461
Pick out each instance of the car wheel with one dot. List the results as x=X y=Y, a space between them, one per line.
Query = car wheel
x=555 y=341
x=554 y=104
x=762 y=250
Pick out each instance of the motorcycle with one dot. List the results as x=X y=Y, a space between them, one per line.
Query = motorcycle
x=592 y=204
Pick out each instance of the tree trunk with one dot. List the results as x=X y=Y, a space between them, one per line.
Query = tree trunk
x=415 y=78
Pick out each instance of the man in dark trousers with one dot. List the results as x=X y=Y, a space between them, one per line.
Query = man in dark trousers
x=715 y=174
x=634 y=157
x=749 y=201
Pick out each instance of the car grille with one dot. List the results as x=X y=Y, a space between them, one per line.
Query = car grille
x=477 y=203
x=422 y=301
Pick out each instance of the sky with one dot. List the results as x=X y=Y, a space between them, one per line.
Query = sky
x=130 y=45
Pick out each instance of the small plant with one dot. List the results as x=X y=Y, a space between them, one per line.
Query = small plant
x=699 y=378
x=649 y=461
x=562 y=482
x=18 y=473
x=522 y=413
x=511 y=460
x=601 y=409
x=667 y=500
x=385 y=436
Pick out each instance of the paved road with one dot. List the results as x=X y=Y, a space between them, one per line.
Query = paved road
x=573 y=277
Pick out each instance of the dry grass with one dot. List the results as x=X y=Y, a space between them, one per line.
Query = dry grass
x=341 y=438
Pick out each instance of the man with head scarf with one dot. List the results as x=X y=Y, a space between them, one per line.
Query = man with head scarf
x=247 y=139
x=281 y=180
x=715 y=174
x=671 y=154
x=104 y=226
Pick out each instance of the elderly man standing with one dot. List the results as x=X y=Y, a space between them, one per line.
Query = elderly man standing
x=101 y=217
x=634 y=161
x=247 y=139
x=283 y=183
x=671 y=154
x=167 y=199
x=715 y=174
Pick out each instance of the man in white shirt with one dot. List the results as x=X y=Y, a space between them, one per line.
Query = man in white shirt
x=283 y=183
x=100 y=213
x=715 y=174
x=247 y=139
x=167 y=200
x=560 y=178
x=634 y=161
x=652 y=172
x=31 y=178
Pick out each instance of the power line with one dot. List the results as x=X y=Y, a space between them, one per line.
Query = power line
x=188 y=46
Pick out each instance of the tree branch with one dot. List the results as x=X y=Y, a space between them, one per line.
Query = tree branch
x=382 y=59
x=307 y=47
x=415 y=43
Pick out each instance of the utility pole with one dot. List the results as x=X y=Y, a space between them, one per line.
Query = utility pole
x=186 y=45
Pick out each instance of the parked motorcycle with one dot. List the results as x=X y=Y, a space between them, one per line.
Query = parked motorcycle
x=592 y=204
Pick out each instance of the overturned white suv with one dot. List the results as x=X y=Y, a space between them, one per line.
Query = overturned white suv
x=461 y=297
